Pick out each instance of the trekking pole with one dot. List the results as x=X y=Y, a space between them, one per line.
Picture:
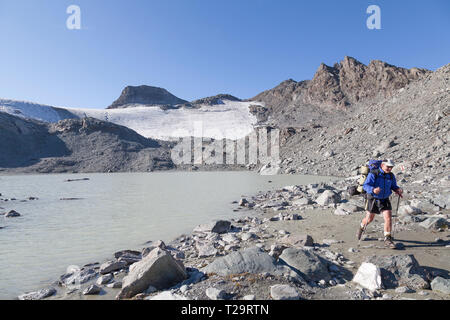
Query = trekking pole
x=396 y=213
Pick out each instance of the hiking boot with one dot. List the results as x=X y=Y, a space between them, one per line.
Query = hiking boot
x=360 y=232
x=389 y=243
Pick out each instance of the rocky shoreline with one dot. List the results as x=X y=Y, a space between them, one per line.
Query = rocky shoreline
x=298 y=242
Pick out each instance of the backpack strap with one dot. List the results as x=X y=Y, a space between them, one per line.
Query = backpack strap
x=375 y=172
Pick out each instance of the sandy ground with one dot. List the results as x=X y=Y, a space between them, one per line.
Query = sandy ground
x=323 y=224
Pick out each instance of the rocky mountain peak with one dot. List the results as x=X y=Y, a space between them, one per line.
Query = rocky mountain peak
x=146 y=95
x=213 y=100
x=351 y=81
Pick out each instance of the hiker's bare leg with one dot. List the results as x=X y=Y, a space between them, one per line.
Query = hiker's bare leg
x=387 y=215
x=368 y=218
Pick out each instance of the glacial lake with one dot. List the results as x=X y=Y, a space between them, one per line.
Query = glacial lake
x=110 y=212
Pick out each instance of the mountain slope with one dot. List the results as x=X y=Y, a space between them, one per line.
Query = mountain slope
x=411 y=126
x=77 y=145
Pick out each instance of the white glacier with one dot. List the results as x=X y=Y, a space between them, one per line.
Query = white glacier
x=231 y=120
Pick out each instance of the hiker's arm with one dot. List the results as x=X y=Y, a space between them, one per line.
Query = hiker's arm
x=395 y=187
x=369 y=184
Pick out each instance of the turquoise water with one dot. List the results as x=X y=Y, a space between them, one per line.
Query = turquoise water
x=113 y=212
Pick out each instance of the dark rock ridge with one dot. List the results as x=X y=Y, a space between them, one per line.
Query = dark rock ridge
x=217 y=99
x=346 y=83
x=146 y=95
x=332 y=88
x=77 y=145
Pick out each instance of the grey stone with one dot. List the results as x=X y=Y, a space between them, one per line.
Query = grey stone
x=216 y=226
x=440 y=284
x=38 y=295
x=230 y=238
x=400 y=270
x=306 y=263
x=298 y=240
x=105 y=279
x=78 y=277
x=327 y=197
x=115 y=285
x=443 y=201
x=243 y=202
x=166 y=295
x=348 y=207
x=12 y=214
x=404 y=289
x=252 y=260
x=341 y=212
x=184 y=288
x=215 y=294
x=434 y=223
x=158 y=269
x=301 y=202
x=121 y=253
x=195 y=276
x=284 y=292
x=276 y=250
x=92 y=289
x=408 y=209
x=206 y=250
x=111 y=266
x=247 y=236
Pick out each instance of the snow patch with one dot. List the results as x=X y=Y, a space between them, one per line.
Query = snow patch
x=29 y=110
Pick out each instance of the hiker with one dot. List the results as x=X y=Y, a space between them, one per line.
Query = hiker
x=379 y=186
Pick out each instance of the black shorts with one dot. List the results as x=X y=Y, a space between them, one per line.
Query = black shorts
x=378 y=205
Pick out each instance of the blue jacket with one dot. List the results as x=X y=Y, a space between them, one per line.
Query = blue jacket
x=386 y=182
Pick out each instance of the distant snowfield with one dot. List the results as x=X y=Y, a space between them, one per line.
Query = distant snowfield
x=231 y=120
x=29 y=110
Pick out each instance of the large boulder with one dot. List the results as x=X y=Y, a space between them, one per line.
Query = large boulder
x=251 y=260
x=327 y=197
x=400 y=270
x=306 y=263
x=440 y=284
x=158 y=269
x=368 y=276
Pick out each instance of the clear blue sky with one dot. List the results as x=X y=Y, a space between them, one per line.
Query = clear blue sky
x=198 y=48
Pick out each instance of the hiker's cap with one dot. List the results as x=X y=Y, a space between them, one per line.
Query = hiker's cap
x=388 y=163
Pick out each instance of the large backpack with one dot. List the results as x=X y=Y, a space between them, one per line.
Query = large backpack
x=372 y=166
